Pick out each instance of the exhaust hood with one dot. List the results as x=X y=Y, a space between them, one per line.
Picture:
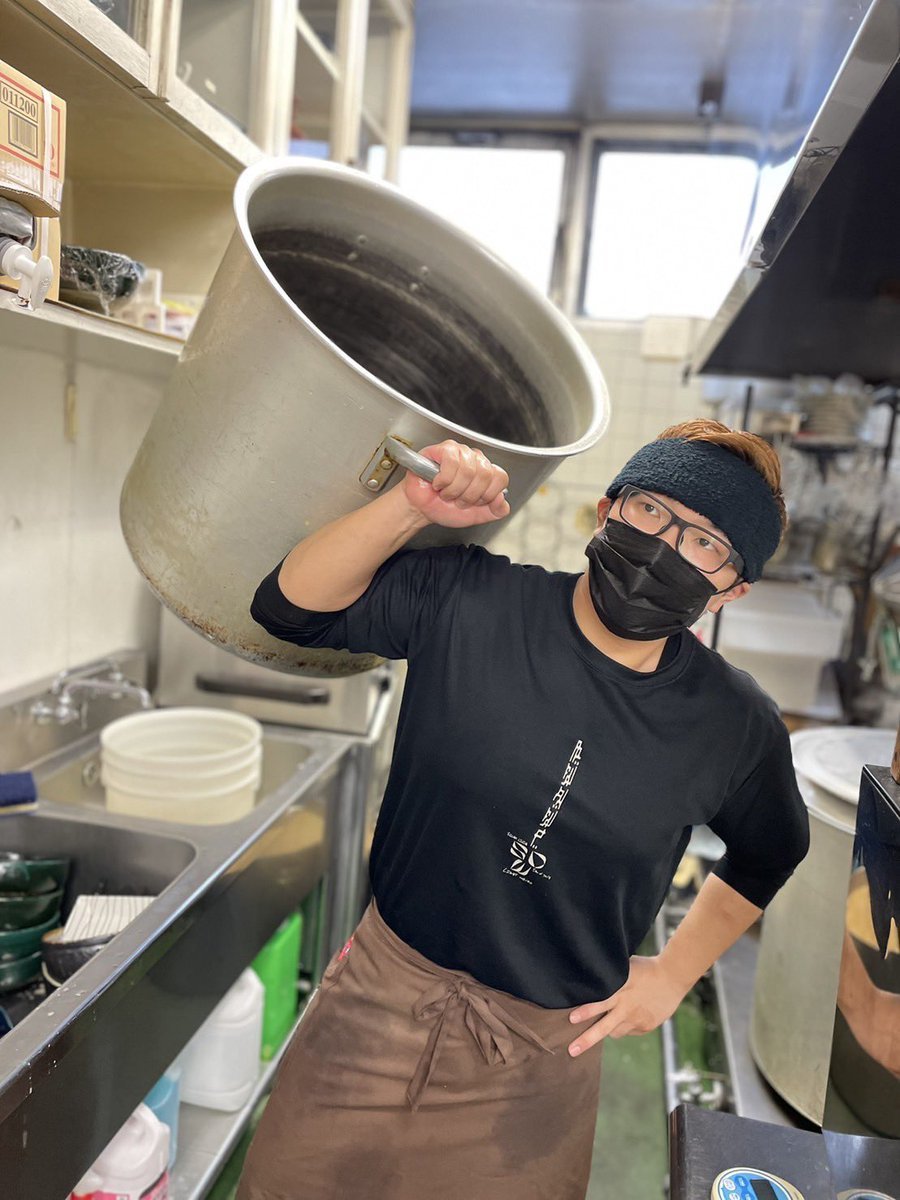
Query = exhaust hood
x=820 y=290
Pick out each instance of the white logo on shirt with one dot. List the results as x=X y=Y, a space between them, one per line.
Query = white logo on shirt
x=526 y=858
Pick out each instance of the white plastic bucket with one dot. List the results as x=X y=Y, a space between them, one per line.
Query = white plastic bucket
x=185 y=790
x=187 y=759
x=136 y=777
x=171 y=739
x=191 y=765
x=216 y=809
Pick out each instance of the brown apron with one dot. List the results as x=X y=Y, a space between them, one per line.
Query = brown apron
x=406 y=1080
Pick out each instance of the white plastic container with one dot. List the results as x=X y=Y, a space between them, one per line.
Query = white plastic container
x=217 y=809
x=783 y=636
x=134 y=1166
x=163 y=1101
x=194 y=765
x=211 y=777
x=170 y=739
x=146 y=783
x=86 y=1188
x=222 y=1060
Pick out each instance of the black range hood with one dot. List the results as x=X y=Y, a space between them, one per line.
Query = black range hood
x=820 y=293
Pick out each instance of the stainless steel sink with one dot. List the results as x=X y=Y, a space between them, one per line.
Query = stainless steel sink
x=74 y=1068
x=78 y=782
x=104 y=858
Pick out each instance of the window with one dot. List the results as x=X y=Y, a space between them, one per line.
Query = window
x=666 y=232
x=506 y=197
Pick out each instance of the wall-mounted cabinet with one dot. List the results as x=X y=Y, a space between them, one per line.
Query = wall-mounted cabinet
x=121 y=36
x=168 y=100
x=352 y=74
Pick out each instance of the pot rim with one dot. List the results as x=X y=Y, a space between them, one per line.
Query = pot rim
x=266 y=169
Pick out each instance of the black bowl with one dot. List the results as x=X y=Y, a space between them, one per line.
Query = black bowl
x=63 y=959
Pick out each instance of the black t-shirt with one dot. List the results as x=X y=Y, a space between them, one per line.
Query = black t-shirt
x=541 y=795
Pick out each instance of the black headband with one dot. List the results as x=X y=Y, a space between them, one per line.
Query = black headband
x=715 y=483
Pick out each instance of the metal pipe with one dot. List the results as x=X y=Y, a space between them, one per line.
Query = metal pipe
x=344 y=855
x=396 y=119
x=667 y=1031
x=347 y=104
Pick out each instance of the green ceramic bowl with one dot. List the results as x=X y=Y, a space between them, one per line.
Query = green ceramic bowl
x=19 y=912
x=20 y=972
x=19 y=943
x=31 y=876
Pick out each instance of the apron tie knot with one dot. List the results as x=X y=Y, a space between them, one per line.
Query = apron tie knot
x=487 y=1021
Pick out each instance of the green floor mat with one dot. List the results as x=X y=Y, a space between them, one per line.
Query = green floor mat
x=631 y=1143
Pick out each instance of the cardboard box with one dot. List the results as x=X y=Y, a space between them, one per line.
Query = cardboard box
x=32 y=143
x=48 y=242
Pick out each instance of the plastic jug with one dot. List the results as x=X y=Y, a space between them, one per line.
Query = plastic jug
x=134 y=1166
x=221 y=1061
x=278 y=965
x=86 y=1188
x=163 y=1100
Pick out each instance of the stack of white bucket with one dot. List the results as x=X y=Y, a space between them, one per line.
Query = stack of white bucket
x=192 y=765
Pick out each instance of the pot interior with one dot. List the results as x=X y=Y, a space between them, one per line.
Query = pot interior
x=397 y=323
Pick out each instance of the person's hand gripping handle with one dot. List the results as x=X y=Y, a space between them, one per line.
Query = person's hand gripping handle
x=465 y=488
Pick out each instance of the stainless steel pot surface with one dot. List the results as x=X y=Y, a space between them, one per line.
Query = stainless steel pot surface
x=342 y=314
x=797 y=971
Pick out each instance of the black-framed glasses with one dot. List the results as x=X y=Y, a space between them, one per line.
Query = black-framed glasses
x=698 y=546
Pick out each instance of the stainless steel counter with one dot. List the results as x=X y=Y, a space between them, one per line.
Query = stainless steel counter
x=75 y=1068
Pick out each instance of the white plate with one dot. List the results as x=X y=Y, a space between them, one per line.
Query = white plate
x=833 y=758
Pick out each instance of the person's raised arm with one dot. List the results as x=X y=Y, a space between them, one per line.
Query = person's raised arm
x=332 y=567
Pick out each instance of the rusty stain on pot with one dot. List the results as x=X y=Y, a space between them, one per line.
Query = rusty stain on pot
x=322 y=662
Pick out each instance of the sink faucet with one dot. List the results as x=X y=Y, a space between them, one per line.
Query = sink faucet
x=62 y=708
x=89 y=670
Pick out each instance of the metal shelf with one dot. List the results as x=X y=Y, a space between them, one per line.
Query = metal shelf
x=62 y=329
x=121 y=128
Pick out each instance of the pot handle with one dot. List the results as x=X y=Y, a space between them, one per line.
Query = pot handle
x=403 y=456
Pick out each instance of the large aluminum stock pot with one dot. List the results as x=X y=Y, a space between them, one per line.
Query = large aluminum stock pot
x=342 y=315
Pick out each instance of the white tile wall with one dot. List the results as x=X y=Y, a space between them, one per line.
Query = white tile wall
x=68 y=589
x=646 y=395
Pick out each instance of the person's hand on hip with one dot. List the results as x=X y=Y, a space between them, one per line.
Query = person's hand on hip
x=648 y=997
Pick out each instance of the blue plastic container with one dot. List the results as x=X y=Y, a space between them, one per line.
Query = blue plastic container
x=163 y=1099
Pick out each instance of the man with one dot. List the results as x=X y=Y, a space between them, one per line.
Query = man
x=559 y=736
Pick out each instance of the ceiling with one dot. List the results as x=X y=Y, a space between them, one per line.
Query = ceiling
x=641 y=61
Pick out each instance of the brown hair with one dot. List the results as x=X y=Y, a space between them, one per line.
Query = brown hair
x=747 y=446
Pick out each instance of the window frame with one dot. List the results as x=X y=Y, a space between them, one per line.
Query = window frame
x=598 y=144
x=564 y=140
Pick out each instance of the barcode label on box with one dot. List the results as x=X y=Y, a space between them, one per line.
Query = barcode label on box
x=24 y=110
x=23 y=134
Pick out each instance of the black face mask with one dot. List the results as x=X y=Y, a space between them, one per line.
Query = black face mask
x=642 y=589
